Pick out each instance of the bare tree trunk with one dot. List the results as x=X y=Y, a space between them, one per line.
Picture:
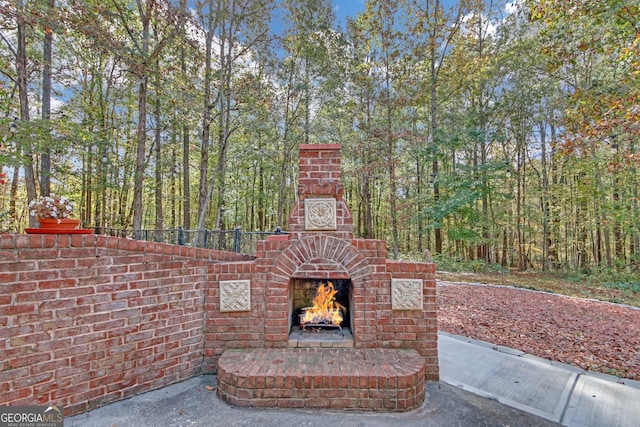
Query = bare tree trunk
x=307 y=101
x=617 y=231
x=434 y=123
x=544 y=199
x=285 y=155
x=21 y=67
x=13 y=195
x=519 y=217
x=224 y=119
x=140 y=153
x=186 y=179
x=419 y=208
x=85 y=214
x=602 y=231
x=141 y=136
x=582 y=213
x=158 y=154
x=635 y=210
x=552 y=251
x=204 y=193
x=636 y=227
x=435 y=165
x=367 y=201
x=173 y=185
x=261 y=198
x=391 y=146
x=186 y=149
x=483 y=161
x=45 y=156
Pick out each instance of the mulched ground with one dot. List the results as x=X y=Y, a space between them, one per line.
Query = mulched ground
x=592 y=335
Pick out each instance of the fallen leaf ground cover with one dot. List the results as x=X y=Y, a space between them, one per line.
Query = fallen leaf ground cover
x=593 y=335
x=603 y=286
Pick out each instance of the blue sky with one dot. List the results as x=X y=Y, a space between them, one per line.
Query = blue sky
x=347 y=9
x=350 y=8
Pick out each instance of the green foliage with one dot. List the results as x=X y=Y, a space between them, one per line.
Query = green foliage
x=57 y=135
x=618 y=279
x=6 y=222
x=458 y=265
x=511 y=137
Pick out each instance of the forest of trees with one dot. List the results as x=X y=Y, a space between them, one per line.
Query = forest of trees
x=487 y=130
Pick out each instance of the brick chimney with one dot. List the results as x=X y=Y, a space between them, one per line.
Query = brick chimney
x=320 y=207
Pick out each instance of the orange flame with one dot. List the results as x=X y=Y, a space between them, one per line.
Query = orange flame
x=324 y=310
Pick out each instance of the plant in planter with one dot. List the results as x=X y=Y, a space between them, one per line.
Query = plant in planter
x=54 y=212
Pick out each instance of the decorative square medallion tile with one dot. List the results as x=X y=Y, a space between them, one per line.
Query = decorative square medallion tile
x=406 y=294
x=235 y=295
x=320 y=214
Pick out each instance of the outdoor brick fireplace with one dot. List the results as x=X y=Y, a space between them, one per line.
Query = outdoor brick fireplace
x=388 y=311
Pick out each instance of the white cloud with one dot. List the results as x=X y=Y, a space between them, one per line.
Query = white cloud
x=512 y=7
x=488 y=27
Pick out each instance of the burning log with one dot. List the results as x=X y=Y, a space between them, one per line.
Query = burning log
x=325 y=311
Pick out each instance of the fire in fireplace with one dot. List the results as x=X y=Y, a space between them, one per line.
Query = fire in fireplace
x=325 y=312
x=321 y=313
x=321 y=303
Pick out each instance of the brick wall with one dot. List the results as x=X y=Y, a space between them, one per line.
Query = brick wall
x=225 y=330
x=86 y=320
x=412 y=329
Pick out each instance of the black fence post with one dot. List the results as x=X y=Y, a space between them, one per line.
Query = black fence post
x=180 y=236
x=237 y=240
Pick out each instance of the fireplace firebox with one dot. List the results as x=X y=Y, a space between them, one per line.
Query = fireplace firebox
x=303 y=293
x=320 y=313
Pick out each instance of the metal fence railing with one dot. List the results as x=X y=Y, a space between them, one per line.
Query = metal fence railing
x=234 y=240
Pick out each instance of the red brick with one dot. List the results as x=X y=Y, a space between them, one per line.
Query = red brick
x=75 y=352
x=36 y=296
x=38 y=254
x=32 y=380
x=51 y=365
x=28 y=360
x=105 y=380
x=72 y=390
x=12 y=396
x=45 y=346
x=108 y=326
x=77 y=312
x=109 y=306
x=14 y=309
x=62 y=284
x=56 y=264
x=6 y=277
x=11 y=288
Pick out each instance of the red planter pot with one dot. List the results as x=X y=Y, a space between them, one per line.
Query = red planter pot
x=59 y=224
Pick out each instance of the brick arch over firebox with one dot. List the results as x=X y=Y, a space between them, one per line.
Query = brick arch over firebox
x=296 y=260
x=320 y=256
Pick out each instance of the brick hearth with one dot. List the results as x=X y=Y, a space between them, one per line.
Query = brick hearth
x=344 y=379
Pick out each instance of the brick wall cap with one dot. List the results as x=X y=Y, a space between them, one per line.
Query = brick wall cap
x=305 y=147
x=278 y=237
